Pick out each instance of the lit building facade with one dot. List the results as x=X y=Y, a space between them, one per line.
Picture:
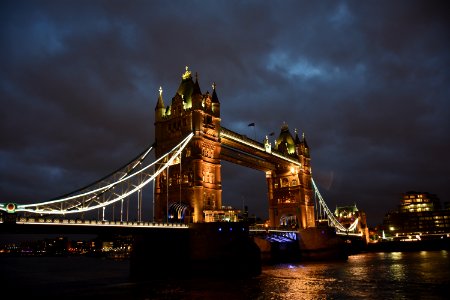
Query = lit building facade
x=418 y=214
x=417 y=202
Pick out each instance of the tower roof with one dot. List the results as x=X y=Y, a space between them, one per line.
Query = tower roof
x=285 y=142
x=186 y=87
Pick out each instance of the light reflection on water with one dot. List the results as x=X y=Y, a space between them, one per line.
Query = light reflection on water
x=396 y=275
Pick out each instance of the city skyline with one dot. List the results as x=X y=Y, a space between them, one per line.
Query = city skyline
x=366 y=82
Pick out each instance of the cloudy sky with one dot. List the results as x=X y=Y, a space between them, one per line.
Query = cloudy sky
x=366 y=81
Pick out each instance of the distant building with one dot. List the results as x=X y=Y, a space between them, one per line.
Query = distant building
x=347 y=215
x=419 y=214
x=417 y=202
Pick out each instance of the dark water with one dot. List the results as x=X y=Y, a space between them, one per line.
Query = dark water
x=397 y=275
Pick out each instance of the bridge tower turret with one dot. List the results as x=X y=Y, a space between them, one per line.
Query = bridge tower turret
x=160 y=108
x=305 y=177
x=193 y=183
x=289 y=186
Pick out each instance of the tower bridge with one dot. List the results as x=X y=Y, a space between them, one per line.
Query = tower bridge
x=190 y=144
x=197 y=182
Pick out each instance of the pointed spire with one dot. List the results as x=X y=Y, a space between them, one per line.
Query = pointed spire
x=215 y=99
x=160 y=103
x=187 y=74
x=304 y=140
x=305 y=146
x=196 y=90
x=296 y=139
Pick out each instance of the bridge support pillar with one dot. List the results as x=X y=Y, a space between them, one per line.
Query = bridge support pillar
x=289 y=197
x=205 y=249
x=321 y=243
x=278 y=252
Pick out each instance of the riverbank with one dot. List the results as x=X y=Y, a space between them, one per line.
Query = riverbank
x=405 y=246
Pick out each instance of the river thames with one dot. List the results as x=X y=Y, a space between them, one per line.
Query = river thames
x=381 y=275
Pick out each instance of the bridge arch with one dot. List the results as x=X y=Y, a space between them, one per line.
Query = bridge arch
x=289 y=221
x=178 y=212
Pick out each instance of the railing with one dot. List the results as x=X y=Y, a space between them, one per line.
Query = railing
x=78 y=222
x=256 y=145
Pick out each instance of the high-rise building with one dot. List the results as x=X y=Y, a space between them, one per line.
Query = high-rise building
x=417 y=202
x=419 y=214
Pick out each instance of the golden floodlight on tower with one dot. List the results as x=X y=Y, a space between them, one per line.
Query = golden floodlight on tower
x=186 y=74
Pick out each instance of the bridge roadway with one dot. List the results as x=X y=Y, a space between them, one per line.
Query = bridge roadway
x=39 y=225
x=76 y=226
x=66 y=226
x=54 y=225
x=236 y=148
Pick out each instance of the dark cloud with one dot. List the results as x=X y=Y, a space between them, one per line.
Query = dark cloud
x=368 y=82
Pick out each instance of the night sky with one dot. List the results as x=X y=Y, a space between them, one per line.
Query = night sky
x=366 y=81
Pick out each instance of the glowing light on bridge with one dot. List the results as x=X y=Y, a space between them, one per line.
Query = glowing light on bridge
x=79 y=203
x=100 y=223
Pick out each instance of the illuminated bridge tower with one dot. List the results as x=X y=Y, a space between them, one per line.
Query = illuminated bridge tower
x=290 y=192
x=193 y=183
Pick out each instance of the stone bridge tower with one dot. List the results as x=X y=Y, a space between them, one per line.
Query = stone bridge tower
x=289 y=187
x=193 y=183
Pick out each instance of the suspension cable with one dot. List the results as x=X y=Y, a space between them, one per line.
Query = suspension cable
x=329 y=214
x=79 y=206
